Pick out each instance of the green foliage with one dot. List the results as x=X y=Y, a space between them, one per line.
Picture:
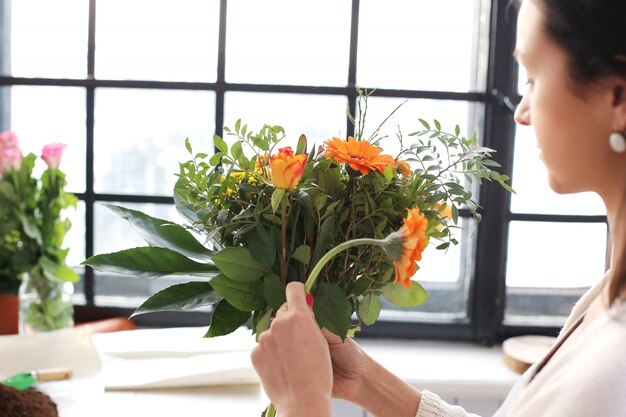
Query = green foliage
x=260 y=237
x=180 y=297
x=33 y=224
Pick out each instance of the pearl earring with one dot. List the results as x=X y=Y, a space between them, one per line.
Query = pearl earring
x=617 y=142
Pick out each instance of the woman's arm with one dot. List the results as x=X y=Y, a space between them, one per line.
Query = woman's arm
x=385 y=395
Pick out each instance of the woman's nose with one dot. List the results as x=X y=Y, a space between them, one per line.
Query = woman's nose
x=522 y=112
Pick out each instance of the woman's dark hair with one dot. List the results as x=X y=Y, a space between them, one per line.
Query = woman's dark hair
x=593 y=35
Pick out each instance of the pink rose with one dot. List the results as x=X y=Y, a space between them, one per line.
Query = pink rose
x=52 y=154
x=8 y=139
x=10 y=153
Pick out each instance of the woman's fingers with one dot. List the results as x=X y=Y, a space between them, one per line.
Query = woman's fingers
x=296 y=297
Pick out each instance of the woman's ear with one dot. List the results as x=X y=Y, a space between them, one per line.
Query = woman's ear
x=619 y=106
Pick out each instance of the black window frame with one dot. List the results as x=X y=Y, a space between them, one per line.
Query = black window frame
x=485 y=322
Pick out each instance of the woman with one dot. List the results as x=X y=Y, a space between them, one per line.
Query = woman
x=575 y=55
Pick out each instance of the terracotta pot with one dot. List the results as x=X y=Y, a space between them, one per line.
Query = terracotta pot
x=9 y=306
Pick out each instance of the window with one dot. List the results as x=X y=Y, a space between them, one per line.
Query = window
x=123 y=83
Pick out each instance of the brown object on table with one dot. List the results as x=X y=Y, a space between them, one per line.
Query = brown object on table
x=28 y=403
x=115 y=324
x=9 y=306
x=522 y=351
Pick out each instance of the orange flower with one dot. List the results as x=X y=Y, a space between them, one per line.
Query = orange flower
x=286 y=168
x=360 y=155
x=404 y=168
x=414 y=235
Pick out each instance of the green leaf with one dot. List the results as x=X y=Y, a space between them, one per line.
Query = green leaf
x=236 y=150
x=332 y=309
x=55 y=272
x=277 y=197
x=457 y=130
x=388 y=174
x=220 y=144
x=397 y=295
x=455 y=214
x=180 y=297
x=273 y=291
x=246 y=296
x=149 y=262
x=188 y=145
x=215 y=159
x=301 y=147
x=325 y=234
x=163 y=233
x=262 y=248
x=302 y=254
x=424 y=123
x=226 y=319
x=369 y=308
x=261 y=322
x=437 y=125
x=238 y=264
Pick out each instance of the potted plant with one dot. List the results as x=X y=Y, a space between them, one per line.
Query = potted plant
x=33 y=225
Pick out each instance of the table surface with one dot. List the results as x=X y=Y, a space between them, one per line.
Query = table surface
x=456 y=371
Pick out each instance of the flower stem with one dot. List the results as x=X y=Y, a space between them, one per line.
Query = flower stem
x=334 y=251
x=271 y=411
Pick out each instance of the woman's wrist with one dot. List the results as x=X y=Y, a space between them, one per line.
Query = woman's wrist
x=384 y=394
x=313 y=407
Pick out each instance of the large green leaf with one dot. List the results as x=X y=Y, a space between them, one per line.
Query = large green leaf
x=369 y=308
x=163 y=233
x=180 y=297
x=149 y=262
x=226 y=319
x=262 y=249
x=238 y=264
x=405 y=297
x=246 y=296
x=332 y=309
x=273 y=290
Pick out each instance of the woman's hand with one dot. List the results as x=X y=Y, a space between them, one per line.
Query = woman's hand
x=349 y=366
x=363 y=381
x=293 y=361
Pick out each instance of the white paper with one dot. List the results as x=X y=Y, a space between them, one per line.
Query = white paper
x=175 y=358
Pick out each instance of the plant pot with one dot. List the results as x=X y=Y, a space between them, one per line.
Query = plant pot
x=9 y=307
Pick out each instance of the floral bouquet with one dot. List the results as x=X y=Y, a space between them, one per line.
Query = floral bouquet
x=32 y=228
x=345 y=218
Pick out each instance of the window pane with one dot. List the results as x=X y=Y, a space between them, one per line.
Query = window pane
x=75 y=237
x=449 y=113
x=286 y=42
x=446 y=277
x=140 y=134
x=113 y=234
x=157 y=40
x=49 y=38
x=42 y=115
x=533 y=192
x=421 y=44
x=318 y=117
x=555 y=255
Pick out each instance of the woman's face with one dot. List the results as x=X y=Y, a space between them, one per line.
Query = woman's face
x=572 y=127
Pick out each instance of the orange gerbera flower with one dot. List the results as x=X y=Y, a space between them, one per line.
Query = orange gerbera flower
x=359 y=155
x=414 y=235
x=404 y=168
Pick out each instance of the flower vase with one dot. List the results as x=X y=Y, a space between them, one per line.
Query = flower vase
x=45 y=305
x=8 y=313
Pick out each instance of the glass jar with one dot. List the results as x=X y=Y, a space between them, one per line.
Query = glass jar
x=44 y=304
